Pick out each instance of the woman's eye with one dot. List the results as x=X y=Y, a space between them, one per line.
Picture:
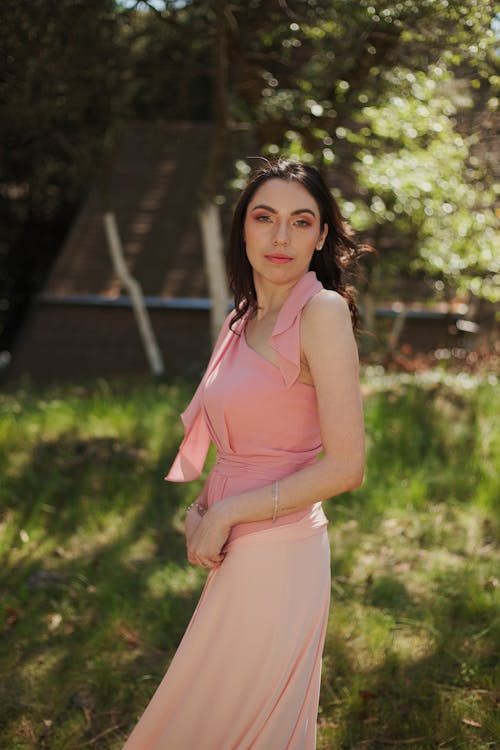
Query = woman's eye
x=262 y=218
x=302 y=223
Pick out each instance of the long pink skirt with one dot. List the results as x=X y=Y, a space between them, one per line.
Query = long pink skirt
x=247 y=671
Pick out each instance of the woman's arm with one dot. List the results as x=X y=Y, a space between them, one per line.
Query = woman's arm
x=330 y=349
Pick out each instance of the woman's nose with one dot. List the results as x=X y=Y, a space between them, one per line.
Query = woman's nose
x=281 y=236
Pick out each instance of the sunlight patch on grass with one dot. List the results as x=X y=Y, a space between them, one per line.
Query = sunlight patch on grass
x=366 y=633
x=88 y=540
x=143 y=548
x=172 y=579
x=44 y=661
x=412 y=642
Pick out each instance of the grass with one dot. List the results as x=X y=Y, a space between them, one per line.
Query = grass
x=97 y=593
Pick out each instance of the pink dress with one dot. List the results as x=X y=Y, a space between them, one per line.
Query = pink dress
x=246 y=675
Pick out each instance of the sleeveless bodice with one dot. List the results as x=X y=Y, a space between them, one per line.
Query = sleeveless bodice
x=251 y=414
x=263 y=421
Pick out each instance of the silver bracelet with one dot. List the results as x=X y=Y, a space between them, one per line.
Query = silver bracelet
x=275 y=499
x=199 y=507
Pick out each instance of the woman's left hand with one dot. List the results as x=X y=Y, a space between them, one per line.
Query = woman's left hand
x=207 y=540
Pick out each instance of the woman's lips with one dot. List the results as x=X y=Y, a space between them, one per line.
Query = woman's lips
x=279 y=258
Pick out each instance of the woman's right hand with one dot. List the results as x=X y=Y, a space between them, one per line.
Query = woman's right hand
x=191 y=525
x=207 y=544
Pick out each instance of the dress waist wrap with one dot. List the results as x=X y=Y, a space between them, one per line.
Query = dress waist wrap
x=261 y=467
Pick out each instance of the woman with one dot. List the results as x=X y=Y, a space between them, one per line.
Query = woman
x=281 y=386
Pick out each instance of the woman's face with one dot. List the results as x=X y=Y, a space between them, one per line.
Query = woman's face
x=282 y=230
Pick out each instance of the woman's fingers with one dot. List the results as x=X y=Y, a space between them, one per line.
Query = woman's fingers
x=202 y=557
x=205 y=562
x=195 y=559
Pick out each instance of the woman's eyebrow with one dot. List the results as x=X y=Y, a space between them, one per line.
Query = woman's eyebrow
x=294 y=213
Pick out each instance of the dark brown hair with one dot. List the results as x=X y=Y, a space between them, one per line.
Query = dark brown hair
x=331 y=264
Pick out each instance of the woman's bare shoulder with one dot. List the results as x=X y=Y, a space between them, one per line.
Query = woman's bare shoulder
x=324 y=309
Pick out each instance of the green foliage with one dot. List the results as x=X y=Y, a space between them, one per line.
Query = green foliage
x=59 y=95
x=167 y=73
x=419 y=177
x=97 y=591
x=378 y=95
x=60 y=92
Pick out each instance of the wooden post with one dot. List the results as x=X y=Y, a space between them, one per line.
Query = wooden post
x=213 y=251
x=133 y=287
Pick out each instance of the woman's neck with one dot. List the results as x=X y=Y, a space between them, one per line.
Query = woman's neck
x=270 y=298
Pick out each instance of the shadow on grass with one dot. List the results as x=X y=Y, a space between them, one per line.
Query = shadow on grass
x=433 y=684
x=98 y=602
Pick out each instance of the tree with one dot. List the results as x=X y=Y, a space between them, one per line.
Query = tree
x=59 y=94
x=373 y=90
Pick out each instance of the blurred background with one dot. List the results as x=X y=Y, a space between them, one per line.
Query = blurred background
x=126 y=130
x=154 y=112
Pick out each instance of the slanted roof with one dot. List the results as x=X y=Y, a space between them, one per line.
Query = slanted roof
x=153 y=186
x=83 y=323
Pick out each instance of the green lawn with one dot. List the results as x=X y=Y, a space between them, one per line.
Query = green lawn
x=96 y=591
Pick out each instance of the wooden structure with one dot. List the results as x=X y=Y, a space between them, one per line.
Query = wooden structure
x=82 y=324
